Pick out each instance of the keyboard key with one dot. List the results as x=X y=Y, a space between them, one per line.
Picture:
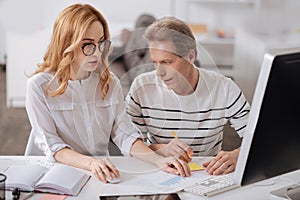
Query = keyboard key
x=213 y=185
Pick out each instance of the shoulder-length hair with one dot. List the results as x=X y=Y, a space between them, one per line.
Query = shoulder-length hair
x=68 y=32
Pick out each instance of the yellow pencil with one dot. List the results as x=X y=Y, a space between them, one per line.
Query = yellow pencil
x=175 y=136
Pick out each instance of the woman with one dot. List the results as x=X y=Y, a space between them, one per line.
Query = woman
x=75 y=104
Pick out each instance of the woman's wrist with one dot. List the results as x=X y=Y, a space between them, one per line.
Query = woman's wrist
x=90 y=162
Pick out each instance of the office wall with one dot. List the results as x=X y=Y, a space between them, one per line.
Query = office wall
x=29 y=16
x=24 y=23
x=274 y=26
x=27 y=27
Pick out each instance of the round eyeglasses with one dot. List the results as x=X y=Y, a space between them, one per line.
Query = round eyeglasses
x=89 y=49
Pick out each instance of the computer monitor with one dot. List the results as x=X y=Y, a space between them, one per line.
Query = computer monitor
x=271 y=146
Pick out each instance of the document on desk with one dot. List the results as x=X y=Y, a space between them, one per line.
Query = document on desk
x=6 y=162
x=151 y=183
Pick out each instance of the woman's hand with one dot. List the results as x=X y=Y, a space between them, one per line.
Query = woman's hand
x=169 y=164
x=102 y=168
x=173 y=165
x=177 y=149
x=223 y=163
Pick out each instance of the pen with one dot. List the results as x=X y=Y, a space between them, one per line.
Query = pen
x=175 y=136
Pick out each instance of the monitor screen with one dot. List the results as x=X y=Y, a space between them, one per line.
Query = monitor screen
x=271 y=145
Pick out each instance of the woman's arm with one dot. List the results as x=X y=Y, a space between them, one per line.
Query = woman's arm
x=124 y=134
x=101 y=168
x=169 y=164
x=41 y=119
x=175 y=148
x=45 y=133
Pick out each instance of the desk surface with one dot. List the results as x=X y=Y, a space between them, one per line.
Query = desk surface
x=259 y=190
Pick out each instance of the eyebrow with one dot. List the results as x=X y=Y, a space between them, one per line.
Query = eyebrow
x=89 y=39
x=163 y=60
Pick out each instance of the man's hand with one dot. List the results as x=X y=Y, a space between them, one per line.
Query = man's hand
x=178 y=149
x=223 y=163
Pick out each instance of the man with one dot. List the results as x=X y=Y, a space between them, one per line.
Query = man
x=181 y=109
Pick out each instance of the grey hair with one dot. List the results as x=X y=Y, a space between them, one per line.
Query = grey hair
x=173 y=30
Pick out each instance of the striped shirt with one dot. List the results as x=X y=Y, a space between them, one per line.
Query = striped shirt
x=198 y=119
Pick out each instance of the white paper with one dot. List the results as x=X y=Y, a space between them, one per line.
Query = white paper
x=156 y=182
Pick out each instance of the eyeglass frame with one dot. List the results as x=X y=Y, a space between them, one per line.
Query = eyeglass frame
x=100 y=45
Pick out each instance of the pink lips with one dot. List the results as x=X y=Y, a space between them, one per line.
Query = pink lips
x=93 y=62
x=167 y=81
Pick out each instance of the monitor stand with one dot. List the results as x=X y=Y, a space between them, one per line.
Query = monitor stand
x=288 y=192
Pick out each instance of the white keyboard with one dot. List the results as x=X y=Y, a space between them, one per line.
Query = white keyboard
x=213 y=185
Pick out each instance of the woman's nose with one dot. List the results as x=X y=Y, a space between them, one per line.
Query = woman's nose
x=97 y=52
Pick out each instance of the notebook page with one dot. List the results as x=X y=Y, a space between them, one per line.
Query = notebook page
x=23 y=176
x=62 y=179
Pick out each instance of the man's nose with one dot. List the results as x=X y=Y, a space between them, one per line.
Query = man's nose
x=160 y=70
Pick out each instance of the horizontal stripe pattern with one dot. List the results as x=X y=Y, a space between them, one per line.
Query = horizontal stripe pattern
x=198 y=121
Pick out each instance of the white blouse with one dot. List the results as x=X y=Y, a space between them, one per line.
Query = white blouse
x=79 y=119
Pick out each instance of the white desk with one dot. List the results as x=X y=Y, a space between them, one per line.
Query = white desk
x=92 y=189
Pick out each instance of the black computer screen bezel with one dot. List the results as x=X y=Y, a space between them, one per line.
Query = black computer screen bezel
x=275 y=144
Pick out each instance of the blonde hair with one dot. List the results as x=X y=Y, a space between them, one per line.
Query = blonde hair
x=174 y=30
x=68 y=31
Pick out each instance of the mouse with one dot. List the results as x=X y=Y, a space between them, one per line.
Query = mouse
x=113 y=180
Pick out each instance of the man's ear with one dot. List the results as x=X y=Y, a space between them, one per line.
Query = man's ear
x=191 y=56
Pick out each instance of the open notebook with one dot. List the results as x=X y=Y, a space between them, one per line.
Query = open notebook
x=59 y=179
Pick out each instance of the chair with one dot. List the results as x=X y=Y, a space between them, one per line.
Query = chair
x=31 y=149
x=113 y=149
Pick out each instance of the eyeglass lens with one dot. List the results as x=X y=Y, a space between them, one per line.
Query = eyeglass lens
x=89 y=49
